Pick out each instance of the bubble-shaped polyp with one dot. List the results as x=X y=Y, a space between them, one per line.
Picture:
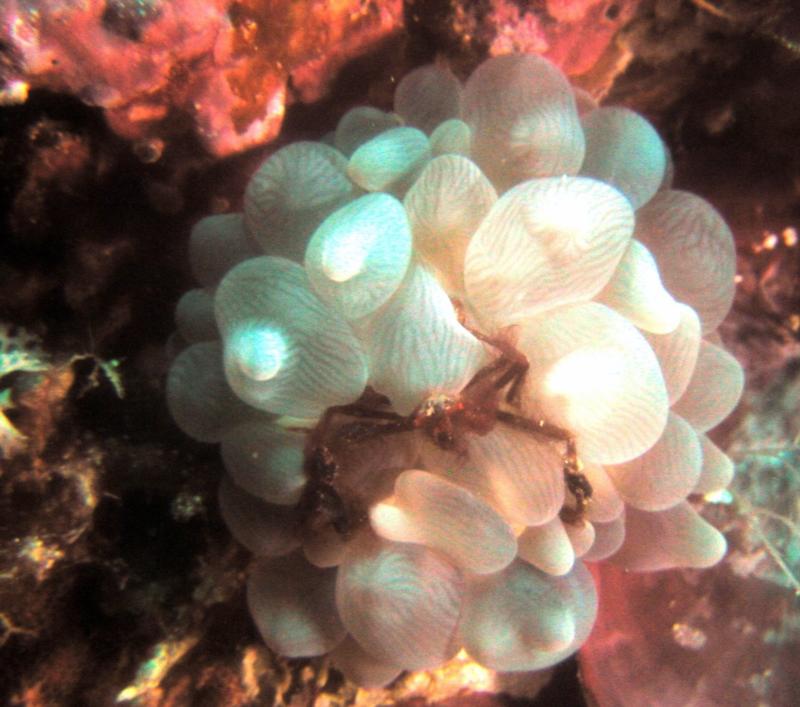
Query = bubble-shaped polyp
x=359 y=255
x=489 y=370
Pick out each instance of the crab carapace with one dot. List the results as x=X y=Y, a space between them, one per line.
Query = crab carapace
x=446 y=420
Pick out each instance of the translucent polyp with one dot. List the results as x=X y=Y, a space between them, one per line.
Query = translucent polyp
x=524 y=619
x=265 y=460
x=361 y=124
x=390 y=160
x=524 y=120
x=625 y=151
x=694 y=249
x=427 y=96
x=676 y=537
x=714 y=390
x=400 y=601
x=194 y=316
x=293 y=605
x=636 y=292
x=666 y=473
x=198 y=397
x=217 y=243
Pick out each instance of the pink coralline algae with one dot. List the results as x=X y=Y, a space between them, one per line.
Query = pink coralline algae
x=573 y=34
x=225 y=64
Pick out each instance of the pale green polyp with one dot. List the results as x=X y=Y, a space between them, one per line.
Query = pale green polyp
x=452 y=137
x=360 y=124
x=261 y=350
x=217 y=244
x=359 y=255
x=343 y=258
x=194 y=316
x=290 y=194
x=286 y=352
x=265 y=460
x=389 y=159
x=625 y=151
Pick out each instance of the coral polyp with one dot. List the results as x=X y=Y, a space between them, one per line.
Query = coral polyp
x=451 y=356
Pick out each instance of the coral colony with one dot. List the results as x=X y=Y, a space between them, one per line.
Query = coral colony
x=452 y=353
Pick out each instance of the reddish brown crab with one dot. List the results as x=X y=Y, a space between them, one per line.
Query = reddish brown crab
x=446 y=420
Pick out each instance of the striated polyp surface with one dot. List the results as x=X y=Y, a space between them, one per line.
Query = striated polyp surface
x=460 y=397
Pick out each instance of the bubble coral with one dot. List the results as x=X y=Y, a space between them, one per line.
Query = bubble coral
x=496 y=362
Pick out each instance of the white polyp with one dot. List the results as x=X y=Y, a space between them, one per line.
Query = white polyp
x=676 y=537
x=547 y=547
x=636 y=292
x=358 y=256
x=285 y=351
x=695 y=252
x=584 y=391
x=677 y=352
x=666 y=473
x=594 y=374
x=585 y=372
x=714 y=390
x=717 y=470
x=545 y=243
x=440 y=514
x=261 y=350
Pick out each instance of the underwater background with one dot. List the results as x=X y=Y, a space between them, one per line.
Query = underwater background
x=125 y=121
